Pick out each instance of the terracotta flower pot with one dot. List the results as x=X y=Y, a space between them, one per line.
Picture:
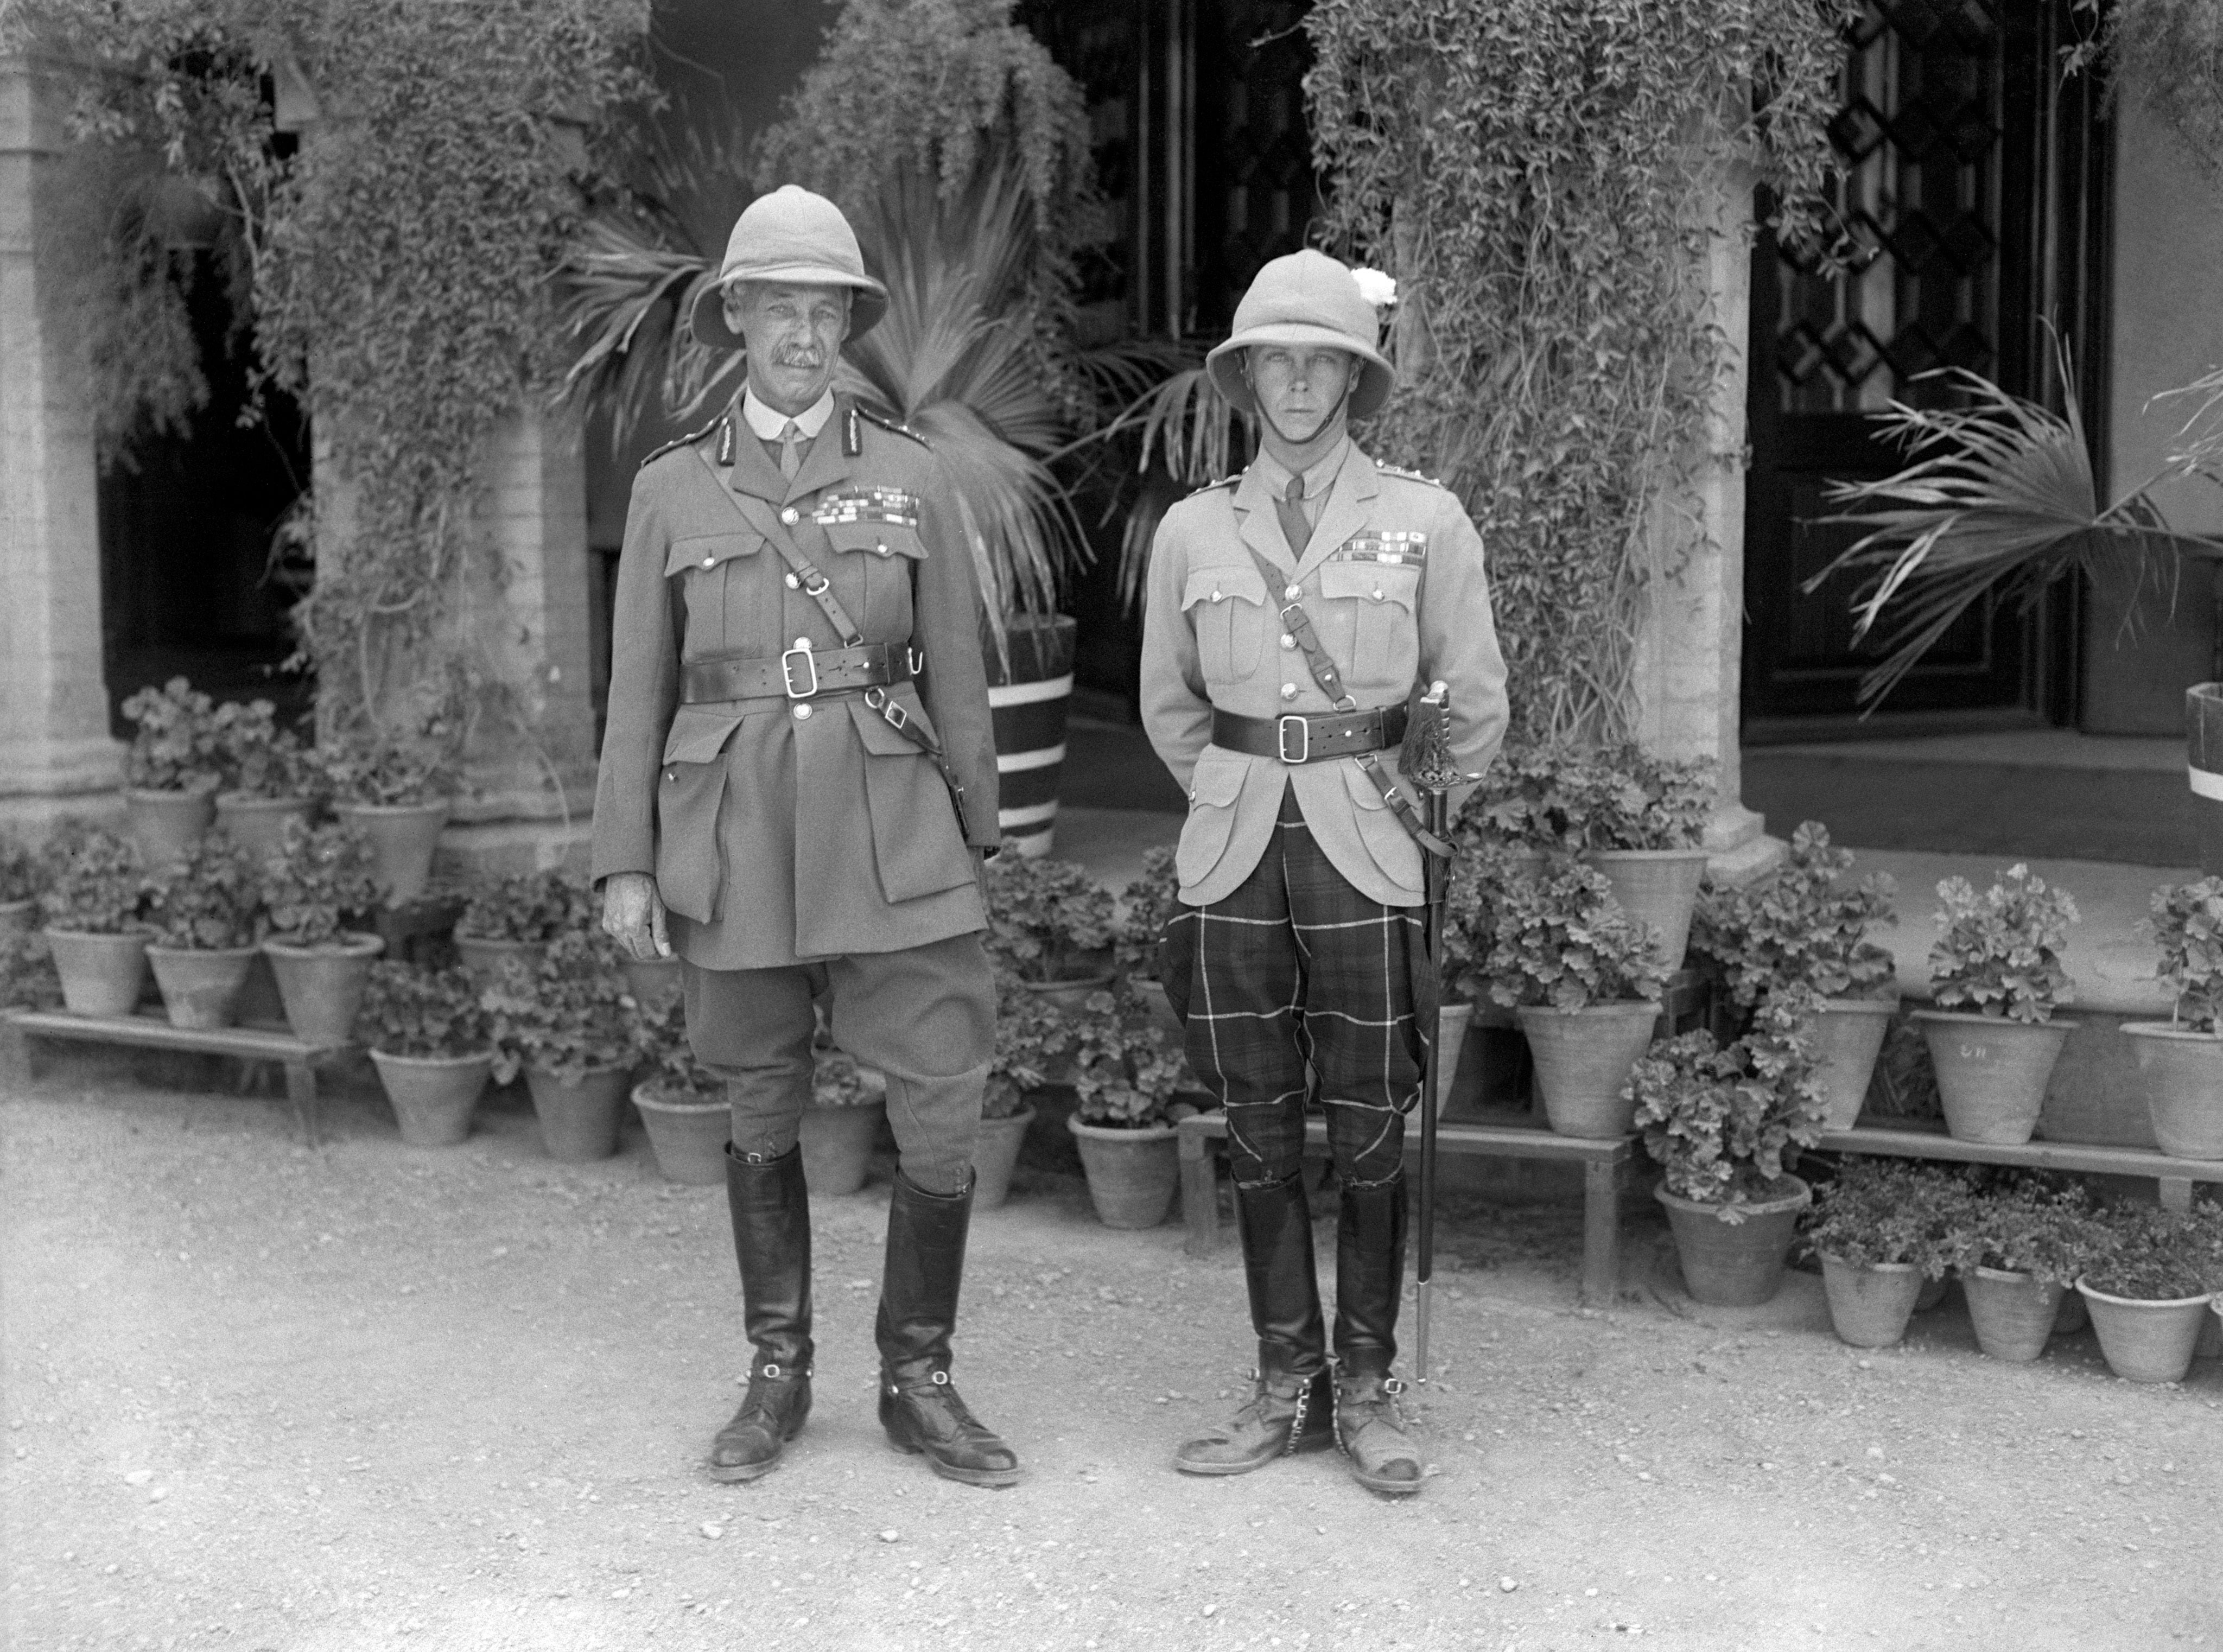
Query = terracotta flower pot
x=995 y=1155
x=1870 y=1306
x=482 y=957
x=688 y=1136
x=1991 y=1072
x=1736 y=1263
x=1582 y=1057
x=1132 y=1174
x=102 y=974
x=1659 y=887
x=1847 y=1034
x=2184 y=1075
x=433 y=1096
x=321 y=987
x=402 y=839
x=2012 y=1313
x=166 y=824
x=837 y=1147
x=201 y=988
x=654 y=982
x=17 y=919
x=579 y=1120
x=2146 y=1341
x=258 y=824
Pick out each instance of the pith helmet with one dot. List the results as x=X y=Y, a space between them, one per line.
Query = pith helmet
x=792 y=235
x=1304 y=299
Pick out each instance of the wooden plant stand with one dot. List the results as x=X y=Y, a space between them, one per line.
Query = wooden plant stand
x=1605 y=1167
x=2173 y=1176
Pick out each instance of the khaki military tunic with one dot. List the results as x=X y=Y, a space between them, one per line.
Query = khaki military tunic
x=1393 y=580
x=779 y=830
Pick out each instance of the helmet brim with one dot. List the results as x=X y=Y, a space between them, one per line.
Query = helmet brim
x=1376 y=376
x=866 y=308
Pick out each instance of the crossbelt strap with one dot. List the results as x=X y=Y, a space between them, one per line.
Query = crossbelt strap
x=1329 y=676
x=1300 y=738
x=799 y=674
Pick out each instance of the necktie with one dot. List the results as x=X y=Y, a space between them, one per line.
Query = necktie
x=790 y=449
x=1290 y=507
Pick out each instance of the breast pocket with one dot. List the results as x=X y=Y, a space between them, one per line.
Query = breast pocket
x=1372 y=605
x=879 y=556
x=715 y=571
x=1226 y=607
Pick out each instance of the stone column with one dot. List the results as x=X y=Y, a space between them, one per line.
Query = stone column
x=56 y=756
x=1690 y=648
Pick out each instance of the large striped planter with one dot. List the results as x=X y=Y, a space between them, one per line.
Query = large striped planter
x=2203 y=764
x=1030 y=699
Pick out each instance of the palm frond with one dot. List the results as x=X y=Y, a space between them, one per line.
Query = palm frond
x=2000 y=501
x=1189 y=430
x=626 y=301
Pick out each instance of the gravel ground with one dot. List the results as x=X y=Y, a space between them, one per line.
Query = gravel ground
x=262 y=1397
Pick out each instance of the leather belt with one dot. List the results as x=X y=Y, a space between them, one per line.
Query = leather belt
x=797 y=674
x=1302 y=738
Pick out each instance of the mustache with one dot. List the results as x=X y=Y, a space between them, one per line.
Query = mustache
x=799 y=356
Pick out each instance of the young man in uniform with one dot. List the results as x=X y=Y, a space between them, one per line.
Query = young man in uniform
x=798 y=783
x=1292 y=613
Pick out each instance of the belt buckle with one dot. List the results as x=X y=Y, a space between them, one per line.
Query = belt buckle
x=1304 y=751
x=810 y=673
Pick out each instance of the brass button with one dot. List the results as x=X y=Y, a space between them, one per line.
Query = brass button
x=882 y=549
x=1288 y=641
x=1288 y=690
x=709 y=561
x=1292 y=593
x=790 y=516
x=803 y=642
x=802 y=712
x=793 y=583
x=1377 y=593
x=1216 y=597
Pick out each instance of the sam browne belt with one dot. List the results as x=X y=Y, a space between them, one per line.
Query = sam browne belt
x=799 y=673
x=1298 y=738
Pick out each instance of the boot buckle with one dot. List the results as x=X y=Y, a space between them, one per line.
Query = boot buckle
x=769 y=1369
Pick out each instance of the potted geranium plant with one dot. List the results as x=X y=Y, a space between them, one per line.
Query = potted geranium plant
x=1880 y=1228
x=96 y=913
x=1722 y=1121
x=682 y=1102
x=433 y=1043
x=171 y=768
x=2019 y=1244
x=1128 y=1075
x=1806 y=926
x=28 y=980
x=1584 y=980
x=19 y=889
x=2181 y=1059
x=1050 y=927
x=268 y=779
x=396 y=790
x=2147 y=1285
x=321 y=879
x=841 y=1124
x=1146 y=905
x=570 y=1024
x=516 y=917
x=207 y=913
x=1032 y=1036
x=1995 y=978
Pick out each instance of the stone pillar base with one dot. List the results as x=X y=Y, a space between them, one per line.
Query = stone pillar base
x=525 y=829
x=1738 y=848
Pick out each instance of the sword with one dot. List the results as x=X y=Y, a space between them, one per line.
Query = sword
x=1426 y=763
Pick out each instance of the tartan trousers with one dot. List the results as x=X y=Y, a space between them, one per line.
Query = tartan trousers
x=1296 y=985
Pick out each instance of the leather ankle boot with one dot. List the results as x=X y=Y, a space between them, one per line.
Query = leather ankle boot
x=770 y=1208
x=1291 y=1406
x=920 y=1407
x=1369 y=1268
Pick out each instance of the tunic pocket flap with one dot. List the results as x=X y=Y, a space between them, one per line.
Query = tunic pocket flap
x=1363 y=791
x=698 y=736
x=1218 y=780
x=876 y=538
x=1369 y=582
x=1222 y=584
x=708 y=550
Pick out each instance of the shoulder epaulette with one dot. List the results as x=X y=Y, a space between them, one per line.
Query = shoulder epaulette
x=1223 y=482
x=679 y=442
x=887 y=424
x=1409 y=476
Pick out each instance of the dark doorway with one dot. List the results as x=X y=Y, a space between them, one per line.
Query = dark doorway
x=1976 y=191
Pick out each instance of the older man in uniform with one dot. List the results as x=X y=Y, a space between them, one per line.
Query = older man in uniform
x=1293 y=612
x=797 y=785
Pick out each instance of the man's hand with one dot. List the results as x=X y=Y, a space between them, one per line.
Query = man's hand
x=632 y=915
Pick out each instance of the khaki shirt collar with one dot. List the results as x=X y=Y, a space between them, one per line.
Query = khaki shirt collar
x=768 y=421
x=1319 y=475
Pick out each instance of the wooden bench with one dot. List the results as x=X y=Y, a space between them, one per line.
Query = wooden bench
x=2174 y=1175
x=1605 y=1165
x=153 y=1031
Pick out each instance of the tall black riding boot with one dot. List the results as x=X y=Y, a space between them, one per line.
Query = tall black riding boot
x=919 y=1407
x=1289 y=1407
x=770 y=1208
x=1369 y=1274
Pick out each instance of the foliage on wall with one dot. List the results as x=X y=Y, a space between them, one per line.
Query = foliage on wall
x=1527 y=169
x=2168 y=53
x=398 y=261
